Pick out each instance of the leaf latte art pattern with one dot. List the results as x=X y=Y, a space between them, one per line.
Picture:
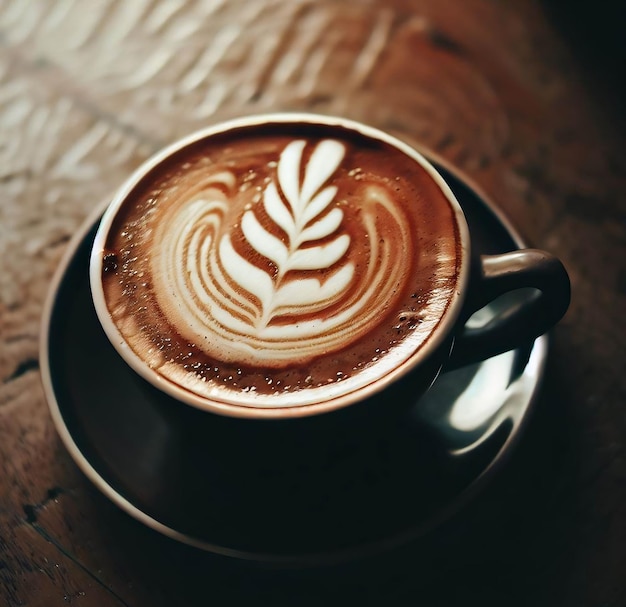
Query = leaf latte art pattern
x=282 y=277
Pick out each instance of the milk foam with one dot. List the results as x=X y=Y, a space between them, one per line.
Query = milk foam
x=281 y=265
x=309 y=300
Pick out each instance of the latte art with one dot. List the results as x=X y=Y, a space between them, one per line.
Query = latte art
x=278 y=265
x=309 y=301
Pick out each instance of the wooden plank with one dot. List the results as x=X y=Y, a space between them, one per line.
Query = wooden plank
x=34 y=571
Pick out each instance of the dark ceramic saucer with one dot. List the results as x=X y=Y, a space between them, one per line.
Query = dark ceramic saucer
x=157 y=460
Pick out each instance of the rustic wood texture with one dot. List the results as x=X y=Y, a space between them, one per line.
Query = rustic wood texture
x=510 y=92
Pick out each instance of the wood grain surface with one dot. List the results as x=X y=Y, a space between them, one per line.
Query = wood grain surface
x=516 y=94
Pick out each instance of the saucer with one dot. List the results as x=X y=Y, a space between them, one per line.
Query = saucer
x=153 y=458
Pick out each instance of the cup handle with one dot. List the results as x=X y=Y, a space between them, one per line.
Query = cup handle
x=524 y=321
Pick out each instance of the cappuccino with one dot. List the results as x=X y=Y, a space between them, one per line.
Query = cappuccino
x=280 y=264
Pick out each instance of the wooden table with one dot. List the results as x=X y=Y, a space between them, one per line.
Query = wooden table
x=523 y=96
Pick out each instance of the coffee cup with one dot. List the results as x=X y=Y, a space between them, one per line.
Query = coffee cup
x=293 y=266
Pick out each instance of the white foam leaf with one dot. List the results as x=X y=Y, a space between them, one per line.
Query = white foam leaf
x=311 y=290
x=245 y=274
x=263 y=242
x=276 y=209
x=321 y=256
x=289 y=173
x=323 y=227
x=317 y=204
x=324 y=161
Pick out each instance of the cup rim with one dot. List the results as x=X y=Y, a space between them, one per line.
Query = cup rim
x=437 y=339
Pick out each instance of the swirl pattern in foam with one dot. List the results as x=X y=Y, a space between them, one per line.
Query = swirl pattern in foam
x=277 y=266
x=310 y=301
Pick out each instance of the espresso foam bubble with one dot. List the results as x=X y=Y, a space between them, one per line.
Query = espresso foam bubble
x=278 y=264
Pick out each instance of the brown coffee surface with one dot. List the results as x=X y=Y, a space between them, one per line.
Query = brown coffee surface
x=279 y=265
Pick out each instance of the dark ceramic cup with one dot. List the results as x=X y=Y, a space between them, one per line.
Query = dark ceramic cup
x=342 y=159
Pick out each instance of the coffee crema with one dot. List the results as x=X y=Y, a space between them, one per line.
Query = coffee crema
x=281 y=264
